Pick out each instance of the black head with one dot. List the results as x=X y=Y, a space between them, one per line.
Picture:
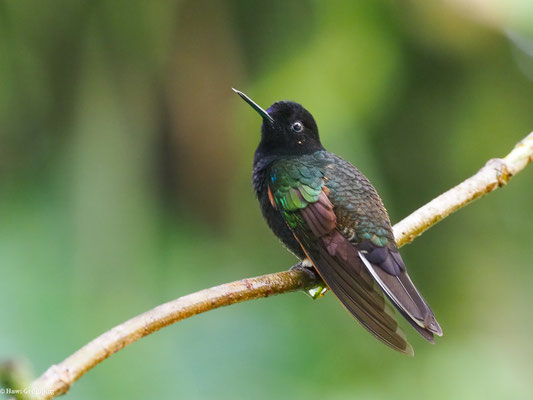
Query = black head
x=287 y=129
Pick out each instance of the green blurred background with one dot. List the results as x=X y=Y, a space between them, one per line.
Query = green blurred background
x=125 y=163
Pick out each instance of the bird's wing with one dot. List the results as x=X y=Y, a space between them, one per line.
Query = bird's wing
x=300 y=195
x=363 y=220
x=340 y=222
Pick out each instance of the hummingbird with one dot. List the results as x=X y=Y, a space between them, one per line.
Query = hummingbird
x=328 y=214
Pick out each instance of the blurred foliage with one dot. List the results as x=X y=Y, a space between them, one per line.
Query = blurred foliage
x=125 y=182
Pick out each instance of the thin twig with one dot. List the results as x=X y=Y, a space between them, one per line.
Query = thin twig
x=496 y=173
x=58 y=378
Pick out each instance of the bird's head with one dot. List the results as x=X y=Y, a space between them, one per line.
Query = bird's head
x=287 y=129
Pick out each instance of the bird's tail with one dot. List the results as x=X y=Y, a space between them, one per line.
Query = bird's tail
x=403 y=294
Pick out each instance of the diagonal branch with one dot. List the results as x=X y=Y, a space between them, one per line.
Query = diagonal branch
x=496 y=173
x=58 y=378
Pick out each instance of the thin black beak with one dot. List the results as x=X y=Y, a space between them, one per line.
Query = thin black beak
x=254 y=105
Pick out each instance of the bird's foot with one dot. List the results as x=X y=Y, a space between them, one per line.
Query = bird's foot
x=318 y=290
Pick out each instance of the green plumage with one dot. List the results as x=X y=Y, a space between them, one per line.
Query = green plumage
x=297 y=181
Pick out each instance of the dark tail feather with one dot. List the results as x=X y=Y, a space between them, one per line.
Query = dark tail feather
x=365 y=303
x=403 y=294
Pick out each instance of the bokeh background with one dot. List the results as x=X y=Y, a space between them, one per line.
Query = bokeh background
x=125 y=164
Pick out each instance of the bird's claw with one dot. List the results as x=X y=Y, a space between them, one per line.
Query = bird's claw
x=318 y=290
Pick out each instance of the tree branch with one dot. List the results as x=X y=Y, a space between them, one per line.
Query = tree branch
x=496 y=173
x=58 y=378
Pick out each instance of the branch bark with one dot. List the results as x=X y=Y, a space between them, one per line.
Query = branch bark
x=496 y=173
x=58 y=378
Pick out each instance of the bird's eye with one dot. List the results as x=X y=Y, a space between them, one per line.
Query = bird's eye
x=297 y=126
